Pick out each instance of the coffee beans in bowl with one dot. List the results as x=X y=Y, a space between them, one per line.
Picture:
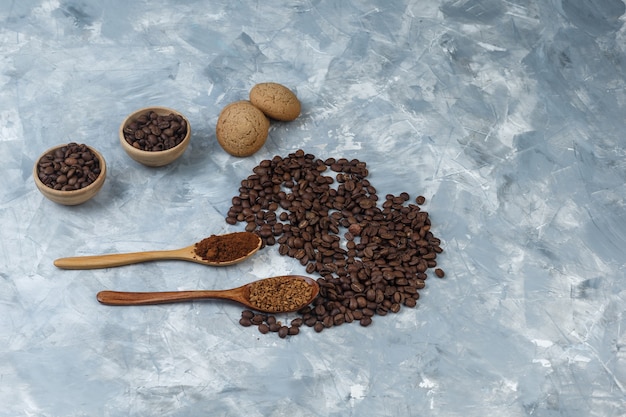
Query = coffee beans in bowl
x=70 y=174
x=155 y=136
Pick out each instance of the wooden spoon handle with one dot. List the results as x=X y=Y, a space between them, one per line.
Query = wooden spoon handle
x=115 y=259
x=121 y=298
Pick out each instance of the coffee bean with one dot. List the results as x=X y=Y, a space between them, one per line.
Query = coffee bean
x=368 y=312
x=338 y=319
x=274 y=327
x=320 y=310
x=348 y=317
x=365 y=321
x=283 y=332
x=381 y=310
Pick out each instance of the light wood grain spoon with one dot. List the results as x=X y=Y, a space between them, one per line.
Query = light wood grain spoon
x=297 y=291
x=183 y=254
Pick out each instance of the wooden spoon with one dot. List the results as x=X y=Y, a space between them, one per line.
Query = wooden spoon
x=184 y=254
x=239 y=294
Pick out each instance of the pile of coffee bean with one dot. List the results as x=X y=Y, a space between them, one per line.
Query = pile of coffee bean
x=154 y=132
x=372 y=257
x=69 y=167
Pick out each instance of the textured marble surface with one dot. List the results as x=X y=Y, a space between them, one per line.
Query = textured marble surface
x=509 y=116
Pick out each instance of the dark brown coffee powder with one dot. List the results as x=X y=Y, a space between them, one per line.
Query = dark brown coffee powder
x=226 y=248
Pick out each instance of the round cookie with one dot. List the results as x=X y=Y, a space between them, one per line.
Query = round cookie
x=241 y=128
x=276 y=101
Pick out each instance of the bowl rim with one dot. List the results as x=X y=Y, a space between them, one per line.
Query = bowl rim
x=129 y=148
x=64 y=194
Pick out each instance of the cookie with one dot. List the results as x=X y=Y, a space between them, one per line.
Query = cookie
x=276 y=101
x=241 y=128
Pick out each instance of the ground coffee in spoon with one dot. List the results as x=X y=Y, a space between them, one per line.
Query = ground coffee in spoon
x=226 y=248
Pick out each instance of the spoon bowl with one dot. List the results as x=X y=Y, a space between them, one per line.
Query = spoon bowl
x=301 y=292
x=187 y=253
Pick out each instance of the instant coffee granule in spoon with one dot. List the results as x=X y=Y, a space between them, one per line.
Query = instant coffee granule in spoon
x=372 y=257
x=280 y=294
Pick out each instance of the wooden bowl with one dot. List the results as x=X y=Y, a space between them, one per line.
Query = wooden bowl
x=73 y=197
x=154 y=158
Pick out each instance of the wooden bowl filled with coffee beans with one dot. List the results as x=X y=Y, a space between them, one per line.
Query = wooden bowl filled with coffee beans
x=70 y=174
x=155 y=136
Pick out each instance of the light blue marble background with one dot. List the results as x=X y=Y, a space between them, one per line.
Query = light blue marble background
x=509 y=116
